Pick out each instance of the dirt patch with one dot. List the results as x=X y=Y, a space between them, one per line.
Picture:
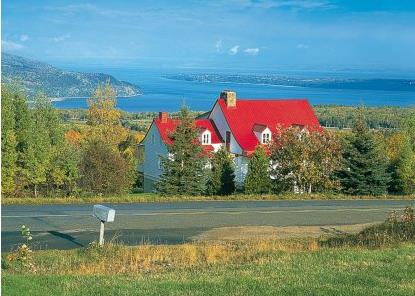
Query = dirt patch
x=265 y=232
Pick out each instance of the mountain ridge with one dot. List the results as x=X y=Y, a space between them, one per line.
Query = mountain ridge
x=39 y=77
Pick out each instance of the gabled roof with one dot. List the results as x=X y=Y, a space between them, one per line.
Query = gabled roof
x=270 y=113
x=259 y=128
x=166 y=128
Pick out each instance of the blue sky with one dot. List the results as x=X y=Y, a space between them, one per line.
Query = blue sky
x=313 y=34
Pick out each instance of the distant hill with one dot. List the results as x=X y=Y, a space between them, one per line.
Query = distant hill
x=37 y=77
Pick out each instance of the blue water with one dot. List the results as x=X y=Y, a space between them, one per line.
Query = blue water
x=162 y=94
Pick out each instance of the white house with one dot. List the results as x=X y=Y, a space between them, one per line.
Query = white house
x=239 y=124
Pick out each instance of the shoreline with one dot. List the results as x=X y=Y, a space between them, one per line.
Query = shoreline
x=59 y=99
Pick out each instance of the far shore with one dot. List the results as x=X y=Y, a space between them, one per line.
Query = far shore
x=58 y=99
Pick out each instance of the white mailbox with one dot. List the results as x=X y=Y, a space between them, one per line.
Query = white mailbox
x=103 y=213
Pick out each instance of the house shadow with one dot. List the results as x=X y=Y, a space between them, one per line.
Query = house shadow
x=66 y=237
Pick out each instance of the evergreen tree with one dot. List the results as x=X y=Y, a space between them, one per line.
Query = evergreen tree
x=365 y=164
x=221 y=178
x=8 y=142
x=184 y=168
x=258 y=177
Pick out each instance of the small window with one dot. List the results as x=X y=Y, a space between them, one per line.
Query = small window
x=159 y=163
x=152 y=139
x=206 y=139
x=266 y=138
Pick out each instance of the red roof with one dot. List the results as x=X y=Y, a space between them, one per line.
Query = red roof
x=166 y=128
x=271 y=113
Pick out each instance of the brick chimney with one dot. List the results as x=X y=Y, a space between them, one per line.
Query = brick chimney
x=229 y=97
x=163 y=116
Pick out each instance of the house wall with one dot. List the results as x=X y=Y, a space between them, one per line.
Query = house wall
x=241 y=169
x=219 y=119
x=152 y=153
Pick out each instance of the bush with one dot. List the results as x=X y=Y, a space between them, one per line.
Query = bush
x=394 y=230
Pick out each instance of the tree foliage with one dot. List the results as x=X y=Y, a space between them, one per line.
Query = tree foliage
x=40 y=157
x=221 y=179
x=365 y=163
x=305 y=159
x=8 y=142
x=104 y=170
x=258 y=179
x=184 y=167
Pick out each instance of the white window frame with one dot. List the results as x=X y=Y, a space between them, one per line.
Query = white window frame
x=206 y=139
x=265 y=138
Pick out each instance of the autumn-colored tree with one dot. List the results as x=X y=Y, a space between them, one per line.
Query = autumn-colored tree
x=305 y=160
x=118 y=146
x=73 y=137
x=104 y=119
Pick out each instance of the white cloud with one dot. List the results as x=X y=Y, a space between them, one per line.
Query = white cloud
x=302 y=46
x=252 y=51
x=24 y=37
x=10 y=46
x=61 y=38
x=218 y=46
x=288 y=4
x=234 y=50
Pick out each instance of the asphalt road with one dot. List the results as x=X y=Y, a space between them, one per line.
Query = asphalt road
x=71 y=226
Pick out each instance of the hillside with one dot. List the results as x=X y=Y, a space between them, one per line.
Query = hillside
x=37 y=77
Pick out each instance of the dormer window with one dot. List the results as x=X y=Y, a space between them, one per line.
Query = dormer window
x=206 y=139
x=266 y=138
x=262 y=132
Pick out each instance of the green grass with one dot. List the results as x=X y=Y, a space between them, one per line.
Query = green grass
x=152 y=197
x=339 y=271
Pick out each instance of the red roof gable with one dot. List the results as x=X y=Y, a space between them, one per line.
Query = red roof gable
x=166 y=128
x=271 y=113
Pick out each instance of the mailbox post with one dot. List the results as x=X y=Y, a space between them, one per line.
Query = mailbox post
x=104 y=214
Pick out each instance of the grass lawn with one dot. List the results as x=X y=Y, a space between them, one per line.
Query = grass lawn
x=153 y=197
x=289 y=267
x=267 y=271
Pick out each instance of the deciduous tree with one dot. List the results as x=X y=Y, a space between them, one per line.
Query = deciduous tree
x=306 y=159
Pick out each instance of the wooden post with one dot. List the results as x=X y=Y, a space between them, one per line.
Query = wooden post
x=101 y=234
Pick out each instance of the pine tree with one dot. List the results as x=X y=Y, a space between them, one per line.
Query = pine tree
x=365 y=164
x=258 y=179
x=184 y=168
x=8 y=142
x=221 y=178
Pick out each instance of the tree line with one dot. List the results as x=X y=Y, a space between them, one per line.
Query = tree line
x=45 y=154
x=363 y=162
x=42 y=156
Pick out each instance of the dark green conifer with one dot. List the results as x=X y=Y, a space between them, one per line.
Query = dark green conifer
x=365 y=164
x=184 y=168
x=221 y=179
x=258 y=179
